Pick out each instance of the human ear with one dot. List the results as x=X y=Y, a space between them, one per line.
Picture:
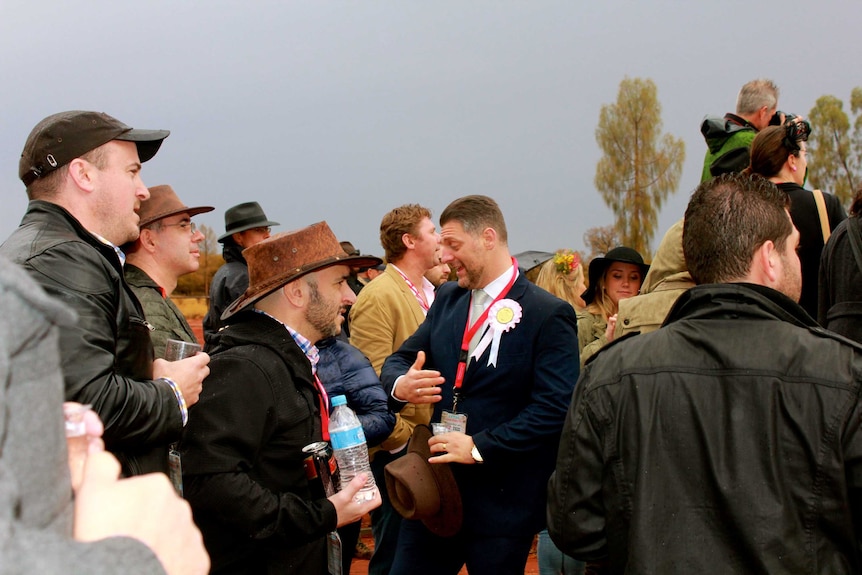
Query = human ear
x=81 y=172
x=489 y=238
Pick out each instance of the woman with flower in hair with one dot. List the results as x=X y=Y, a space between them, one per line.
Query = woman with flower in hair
x=616 y=276
x=563 y=276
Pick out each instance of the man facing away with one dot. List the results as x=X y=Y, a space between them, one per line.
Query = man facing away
x=243 y=462
x=245 y=225
x=498 y=358
x=82 y=172
x=700 y=447
x=728 y=139
x=166 y=250
x=387 y=311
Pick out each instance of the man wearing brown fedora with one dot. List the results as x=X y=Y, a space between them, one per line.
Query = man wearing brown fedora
x=497 y=357
x=166 y=250
x=245 y=225
x=82 y=172
x=243 y=464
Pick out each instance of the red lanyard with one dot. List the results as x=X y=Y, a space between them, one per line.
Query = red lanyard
x=324 y=409
x=415 y=291
x=470 y=331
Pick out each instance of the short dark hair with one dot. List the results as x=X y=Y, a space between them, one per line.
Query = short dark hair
x=727 y=219
x=475 y=213
x=46 y=187
x=402 y=220
x=856 y=205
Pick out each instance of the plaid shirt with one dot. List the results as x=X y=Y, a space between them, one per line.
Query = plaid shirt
x=308 y=348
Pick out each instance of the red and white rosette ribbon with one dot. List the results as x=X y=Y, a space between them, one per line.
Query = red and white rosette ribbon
x=503 y=316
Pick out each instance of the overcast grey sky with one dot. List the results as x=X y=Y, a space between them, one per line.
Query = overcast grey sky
x=343 y=110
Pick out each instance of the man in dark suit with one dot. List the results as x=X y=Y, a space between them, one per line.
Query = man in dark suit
x=501 y=374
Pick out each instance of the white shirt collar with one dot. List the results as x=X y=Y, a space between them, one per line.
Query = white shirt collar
x=494 y=288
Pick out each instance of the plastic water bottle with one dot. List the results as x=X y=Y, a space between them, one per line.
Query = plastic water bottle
x=348 y=443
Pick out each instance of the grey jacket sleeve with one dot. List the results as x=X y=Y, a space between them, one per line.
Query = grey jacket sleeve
x=35 y=492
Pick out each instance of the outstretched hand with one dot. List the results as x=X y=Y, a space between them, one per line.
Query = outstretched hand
x=419 y=385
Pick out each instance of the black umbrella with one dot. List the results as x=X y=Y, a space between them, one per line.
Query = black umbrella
x=530 y=260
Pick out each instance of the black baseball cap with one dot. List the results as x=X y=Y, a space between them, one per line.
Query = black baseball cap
x=60 y=138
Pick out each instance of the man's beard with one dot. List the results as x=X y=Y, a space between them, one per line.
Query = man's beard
x=322 y=316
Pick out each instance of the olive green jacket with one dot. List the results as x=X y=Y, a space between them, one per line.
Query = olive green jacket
x=165 y=318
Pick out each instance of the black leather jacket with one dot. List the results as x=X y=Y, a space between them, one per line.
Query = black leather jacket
x=728 y=441
x=107 y=357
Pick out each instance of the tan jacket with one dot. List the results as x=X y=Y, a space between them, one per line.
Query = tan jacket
x=385 y=314
x=666 y=280
x=591 y=334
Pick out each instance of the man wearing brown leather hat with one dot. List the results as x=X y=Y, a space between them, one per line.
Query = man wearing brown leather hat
x=167 y=249
x=245 y=225
x=82 y=172
x=243 y=464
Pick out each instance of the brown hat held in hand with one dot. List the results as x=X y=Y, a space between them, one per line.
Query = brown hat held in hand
x=426 y=491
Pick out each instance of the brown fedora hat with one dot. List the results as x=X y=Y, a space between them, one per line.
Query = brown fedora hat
x=425 y=491
x=163 y=203
x=287 y=256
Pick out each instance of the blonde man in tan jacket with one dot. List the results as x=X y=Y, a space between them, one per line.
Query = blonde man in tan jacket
x=387 y=311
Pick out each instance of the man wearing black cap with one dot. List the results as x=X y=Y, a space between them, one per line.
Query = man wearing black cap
x=245 y=225
x=82 y=172
x=167 y=249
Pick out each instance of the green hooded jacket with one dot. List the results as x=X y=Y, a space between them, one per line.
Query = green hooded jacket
x=728 y=141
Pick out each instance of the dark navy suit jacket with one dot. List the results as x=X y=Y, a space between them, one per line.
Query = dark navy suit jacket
x=515 y=411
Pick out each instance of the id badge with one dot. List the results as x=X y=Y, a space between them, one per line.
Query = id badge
x=454 y=421
x=333 y=553
x=175 y=469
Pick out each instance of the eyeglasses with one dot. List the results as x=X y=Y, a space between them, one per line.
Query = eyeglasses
x=184 y=226
x=261 y=230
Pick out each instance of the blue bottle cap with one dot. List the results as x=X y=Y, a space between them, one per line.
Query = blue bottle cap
x=338 y=400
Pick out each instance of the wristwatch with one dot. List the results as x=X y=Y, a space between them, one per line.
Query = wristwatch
x=477 y=457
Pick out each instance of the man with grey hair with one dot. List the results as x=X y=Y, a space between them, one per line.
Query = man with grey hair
x=728 y=139
x=695 y=448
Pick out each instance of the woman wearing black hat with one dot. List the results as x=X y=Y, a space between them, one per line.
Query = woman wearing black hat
x=616 y=276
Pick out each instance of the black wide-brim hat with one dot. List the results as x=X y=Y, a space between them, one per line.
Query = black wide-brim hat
x=284 y=257
x=425 y=491
x=599 y=265
x=244 y=217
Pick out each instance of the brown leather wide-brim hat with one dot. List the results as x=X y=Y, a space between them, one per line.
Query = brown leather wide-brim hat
x=425 y=491
x=288 y=256
x=164 y=203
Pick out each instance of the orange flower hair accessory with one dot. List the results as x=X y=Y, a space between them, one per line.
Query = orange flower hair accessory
x=566 y=261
